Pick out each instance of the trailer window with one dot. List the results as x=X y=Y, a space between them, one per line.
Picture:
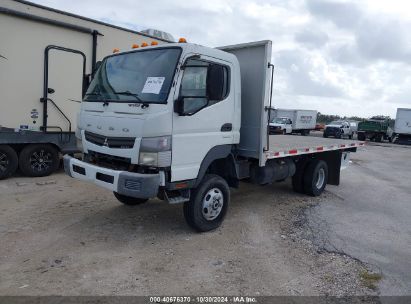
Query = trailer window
x=142 y=76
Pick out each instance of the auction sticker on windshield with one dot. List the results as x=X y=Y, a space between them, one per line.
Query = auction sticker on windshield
x=153 y=85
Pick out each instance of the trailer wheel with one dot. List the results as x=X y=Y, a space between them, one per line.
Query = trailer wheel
x=39 y=160
x=128 y=200
x=208 y=204
x=315 y=177
x=8 y=161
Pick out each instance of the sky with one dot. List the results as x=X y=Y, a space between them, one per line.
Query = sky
x=348 y=57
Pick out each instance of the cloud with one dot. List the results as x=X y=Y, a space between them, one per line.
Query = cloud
x=343 y=57
x=312 y=38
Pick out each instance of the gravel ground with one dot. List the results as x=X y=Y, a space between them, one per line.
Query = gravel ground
x=62 y=237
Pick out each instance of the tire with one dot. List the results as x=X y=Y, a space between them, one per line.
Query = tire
x=378 y=138
x=325 y=135
x=39 y=160
x=9 y=161
x=297 y=180
x=361 y=136
x=284 y=132
x=208 y=204
x=350 y=136
x=315 y=177
x=128 y=200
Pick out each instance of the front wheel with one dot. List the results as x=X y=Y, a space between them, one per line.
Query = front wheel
x=128 y=200
x=208 y=204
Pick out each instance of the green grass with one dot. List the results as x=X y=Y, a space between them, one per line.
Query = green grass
x=369 y=279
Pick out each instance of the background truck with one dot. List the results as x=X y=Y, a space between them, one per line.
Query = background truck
x=402 y=128
x=376 y=129
x=192 y=123
x=287 y=121
x=338 y=129
x=46 y=61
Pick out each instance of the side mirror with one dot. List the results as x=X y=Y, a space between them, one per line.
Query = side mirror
x=96 y=67
x=215 y=82
x=186 y=106
x=86 y=83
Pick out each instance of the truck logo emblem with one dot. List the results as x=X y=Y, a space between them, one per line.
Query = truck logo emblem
x=105 y=144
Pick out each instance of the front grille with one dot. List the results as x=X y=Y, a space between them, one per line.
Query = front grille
x=111 y=142
x=108 y=161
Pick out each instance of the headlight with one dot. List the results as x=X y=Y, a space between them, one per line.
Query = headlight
x=155 y=151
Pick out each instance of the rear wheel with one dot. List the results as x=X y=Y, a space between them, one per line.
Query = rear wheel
x=39 y=160
x=208 y=204
x=128 y=200
x=8 y=161
x=315 y=177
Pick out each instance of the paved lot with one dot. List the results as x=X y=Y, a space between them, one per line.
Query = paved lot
x=59 y=236
x=369 y=215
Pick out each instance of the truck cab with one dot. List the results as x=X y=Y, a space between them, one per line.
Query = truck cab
x=338 y=129
x=184 y=123
x=281 y=125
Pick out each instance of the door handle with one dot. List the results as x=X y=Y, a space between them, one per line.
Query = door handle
x=227 y=127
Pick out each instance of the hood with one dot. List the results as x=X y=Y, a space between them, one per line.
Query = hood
x=333 y=126
x=274 y=124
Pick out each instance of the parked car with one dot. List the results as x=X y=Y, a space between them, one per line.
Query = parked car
x=338 y=129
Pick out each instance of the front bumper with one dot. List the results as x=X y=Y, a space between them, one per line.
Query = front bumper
x=123 y=182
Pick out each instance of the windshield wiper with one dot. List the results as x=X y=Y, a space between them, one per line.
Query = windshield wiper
x=128 y=93
x=104 y=100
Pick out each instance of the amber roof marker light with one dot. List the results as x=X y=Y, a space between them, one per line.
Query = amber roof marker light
x=182 y=40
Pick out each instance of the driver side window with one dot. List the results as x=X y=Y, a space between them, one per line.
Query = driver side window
x=194 y=87
x=197 y=84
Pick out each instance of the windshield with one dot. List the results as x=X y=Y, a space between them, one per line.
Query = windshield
x=279 y=120
x=143 y=76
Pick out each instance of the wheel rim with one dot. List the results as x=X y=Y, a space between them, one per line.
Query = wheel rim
x=40 y=160
x=4 y=161
x=320 y=178
x=212 y=204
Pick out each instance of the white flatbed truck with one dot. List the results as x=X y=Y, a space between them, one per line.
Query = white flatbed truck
x=184 y=123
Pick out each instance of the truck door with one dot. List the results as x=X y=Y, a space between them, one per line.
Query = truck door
x=210 y=122
x=64 y=85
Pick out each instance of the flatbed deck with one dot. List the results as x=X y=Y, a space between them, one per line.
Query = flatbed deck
x=290 y=145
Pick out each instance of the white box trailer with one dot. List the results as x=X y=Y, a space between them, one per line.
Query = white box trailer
x=402 y=128
x=47 y=58
x=302 y=121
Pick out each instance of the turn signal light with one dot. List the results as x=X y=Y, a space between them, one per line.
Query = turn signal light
x=154 y=43
x=135 y=46
x=116 y=50
x=144 y=44
x=182 y=40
